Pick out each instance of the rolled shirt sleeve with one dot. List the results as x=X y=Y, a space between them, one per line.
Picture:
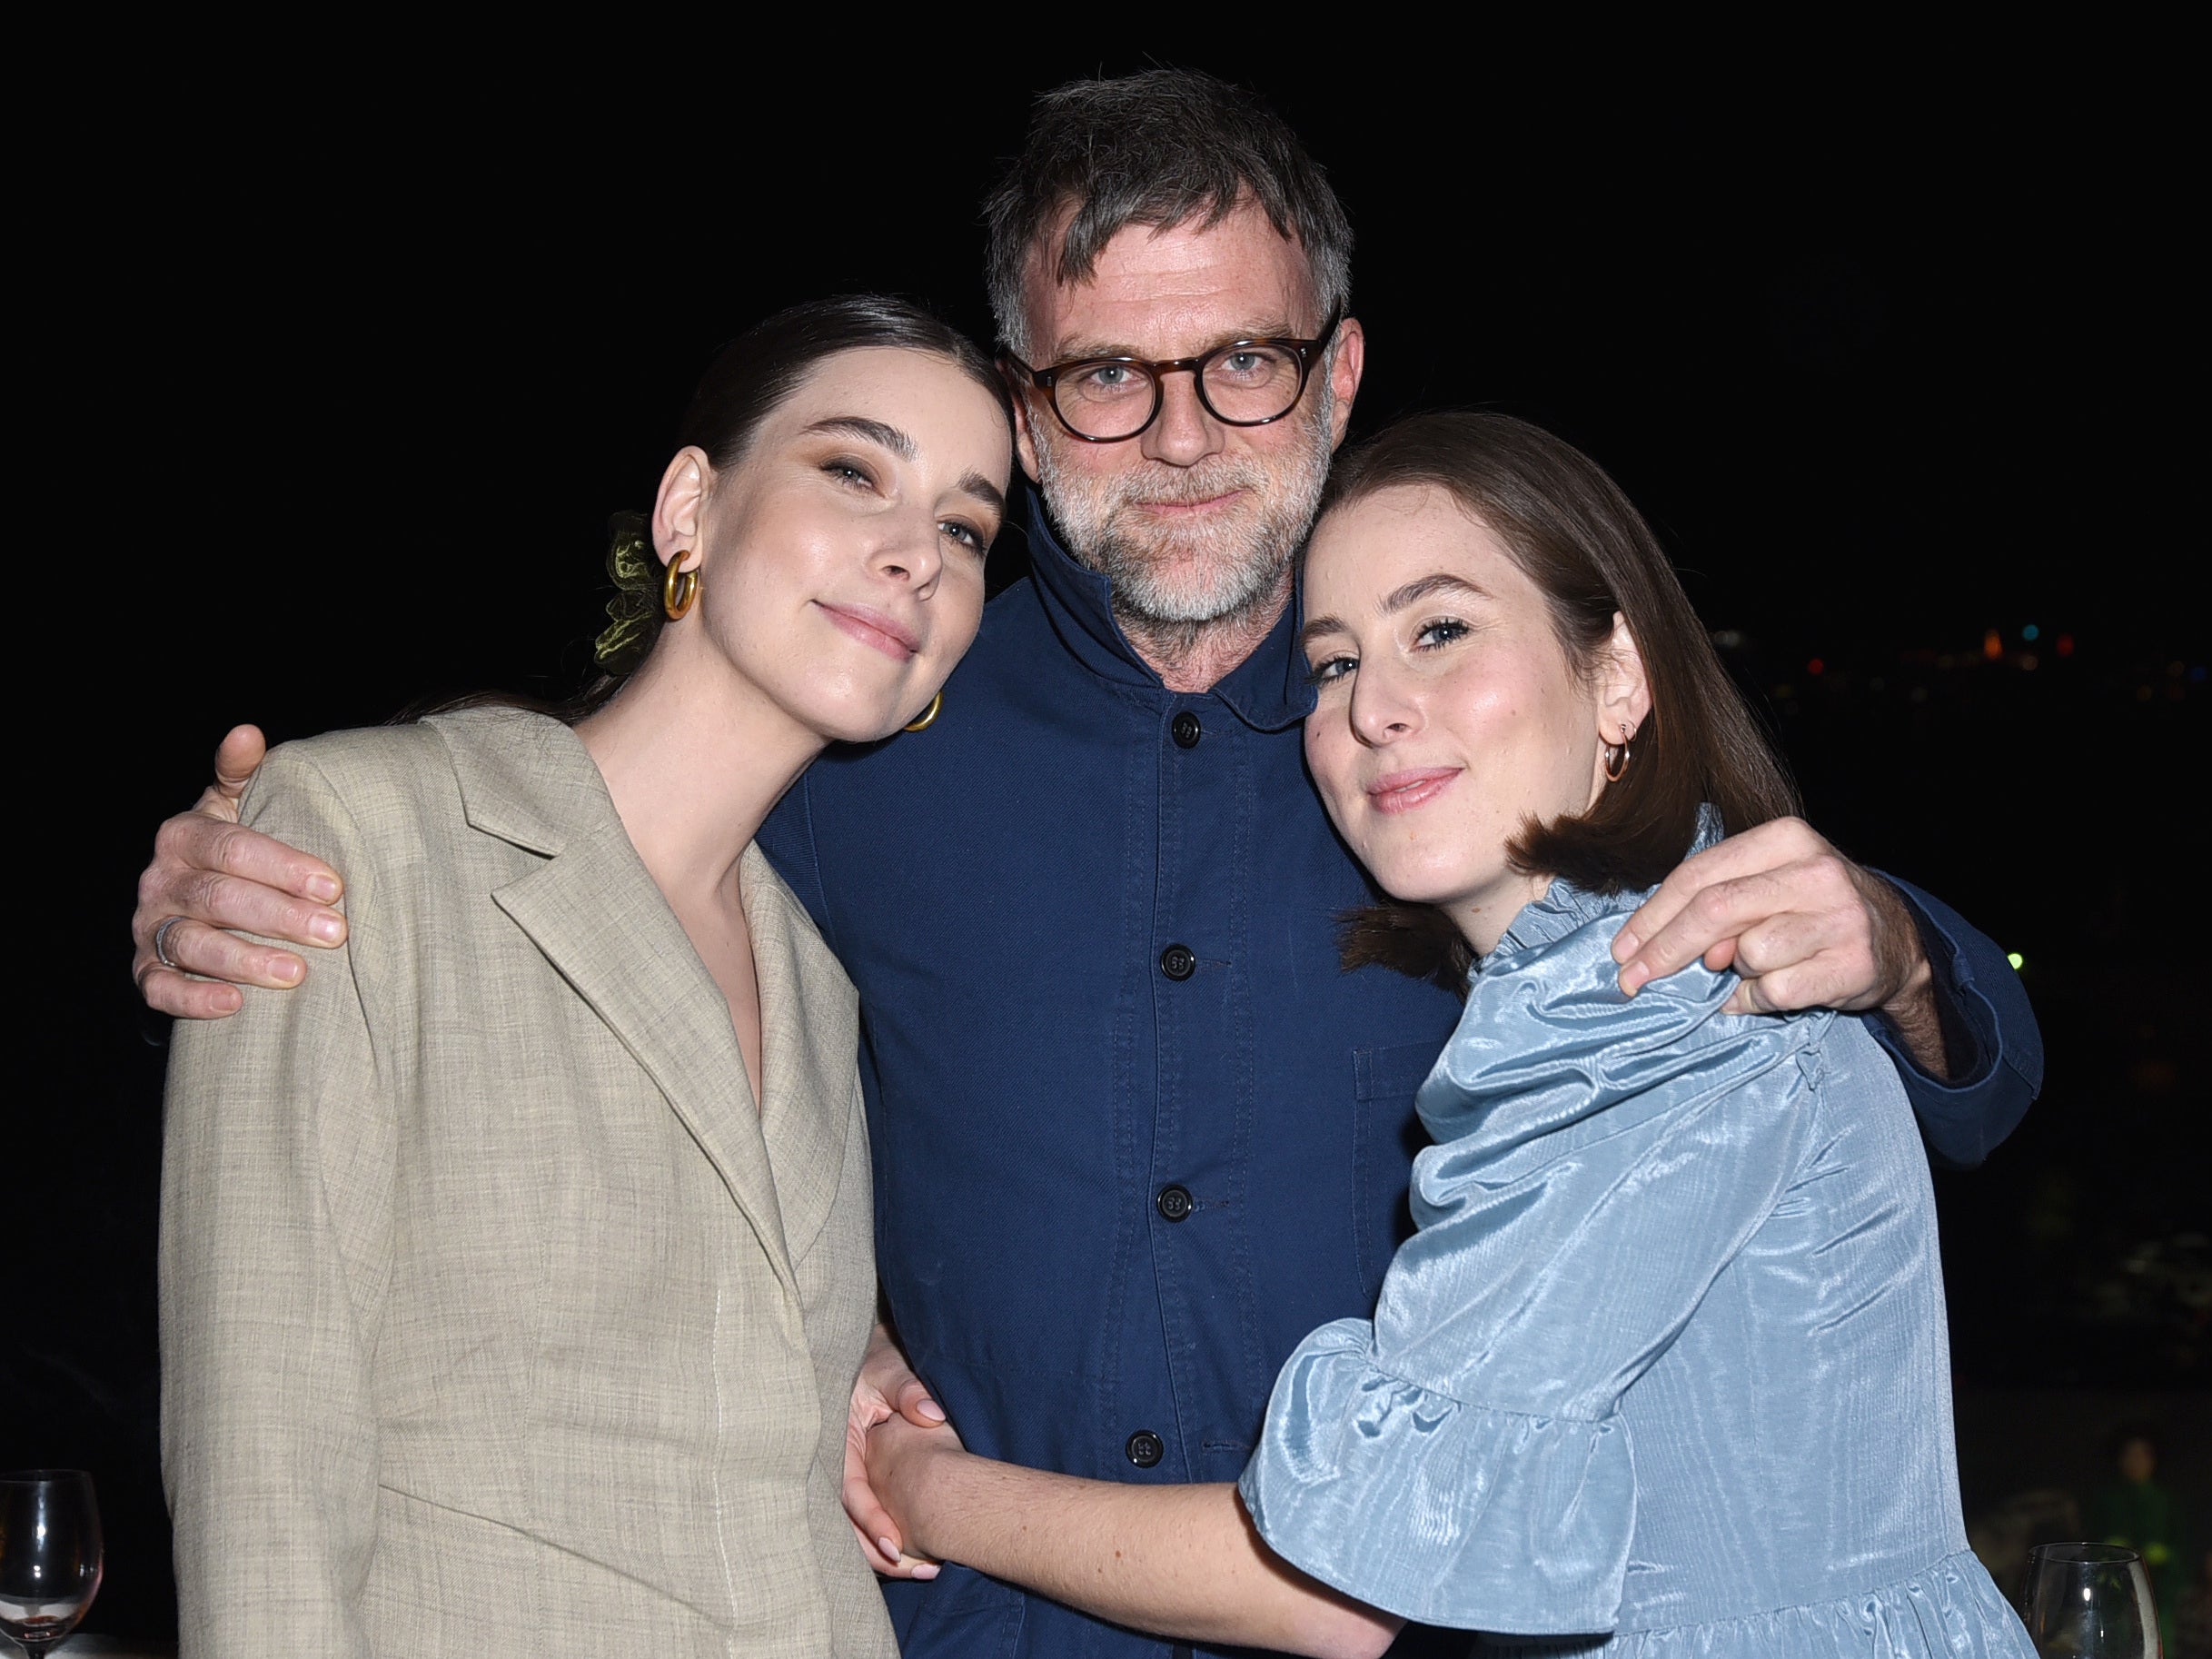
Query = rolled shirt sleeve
x=1460 y=1458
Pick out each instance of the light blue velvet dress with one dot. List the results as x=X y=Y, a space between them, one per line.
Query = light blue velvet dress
x=1664 y=1368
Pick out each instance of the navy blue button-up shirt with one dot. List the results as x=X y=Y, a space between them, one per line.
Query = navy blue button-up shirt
x=1097 y=961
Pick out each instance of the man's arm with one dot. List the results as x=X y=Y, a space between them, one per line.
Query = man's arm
x=215 y=874
x=1178 y=1561
x=1806 y=927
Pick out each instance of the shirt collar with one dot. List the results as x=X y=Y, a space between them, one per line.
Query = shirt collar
x=1267 y=690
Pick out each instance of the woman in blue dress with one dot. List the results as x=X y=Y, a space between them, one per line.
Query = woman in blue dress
x=1664 y=1369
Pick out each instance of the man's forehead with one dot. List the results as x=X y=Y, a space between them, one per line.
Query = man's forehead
x=1171 y=290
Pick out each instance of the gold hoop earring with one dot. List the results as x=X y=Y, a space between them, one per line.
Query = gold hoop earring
x=679 y=590
x=1617 y=757
x=927 y=717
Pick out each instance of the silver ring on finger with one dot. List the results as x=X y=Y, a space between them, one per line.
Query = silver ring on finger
x=160 y=945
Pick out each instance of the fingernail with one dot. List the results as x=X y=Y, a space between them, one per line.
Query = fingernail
x=326 y=927
x=930 y=1409
x=1632 y=979
x=323 y=888
x=1624 y=945
x=890 y=1550
x=230 y=1001
x=285 y=971
x=925 y=1572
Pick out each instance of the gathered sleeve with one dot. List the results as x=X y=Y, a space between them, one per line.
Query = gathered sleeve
x=1460 y=1459
x=277 y=1174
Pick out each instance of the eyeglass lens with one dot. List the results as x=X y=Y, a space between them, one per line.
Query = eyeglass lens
x=1114 y=400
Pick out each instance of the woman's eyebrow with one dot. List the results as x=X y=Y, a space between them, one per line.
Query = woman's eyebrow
x=874 y=432
x=984 y=491
x=901 y=444
x=1396 y=601
x=1421 y=587
x=1316 y=627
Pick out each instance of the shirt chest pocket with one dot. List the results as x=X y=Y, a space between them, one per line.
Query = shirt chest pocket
x=1386 y=1135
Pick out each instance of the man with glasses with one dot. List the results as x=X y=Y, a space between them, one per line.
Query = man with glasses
x=1134 y=1133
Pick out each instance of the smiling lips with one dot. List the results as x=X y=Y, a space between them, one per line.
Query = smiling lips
x=1403 y=791
x=874 y=627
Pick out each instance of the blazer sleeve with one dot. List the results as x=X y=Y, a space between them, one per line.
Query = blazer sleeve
x=1461 y=1460
x=275 y=1230
x=1963 y=1118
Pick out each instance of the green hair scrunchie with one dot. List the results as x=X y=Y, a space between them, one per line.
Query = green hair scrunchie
x=634 y=612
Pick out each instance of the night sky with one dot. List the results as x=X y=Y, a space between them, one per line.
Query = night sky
x=333 y=388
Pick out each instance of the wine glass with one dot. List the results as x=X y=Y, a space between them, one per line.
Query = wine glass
x=49 y=1554
x=2089 y=1601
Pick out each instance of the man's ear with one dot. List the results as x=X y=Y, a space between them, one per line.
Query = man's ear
x=1024 y=441
x=1347 y=362
x=680 y=508
x=1623 y=689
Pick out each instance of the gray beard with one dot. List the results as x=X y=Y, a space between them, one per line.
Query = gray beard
x=1226 y=572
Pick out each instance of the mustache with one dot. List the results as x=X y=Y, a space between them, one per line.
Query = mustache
x=1187 y=484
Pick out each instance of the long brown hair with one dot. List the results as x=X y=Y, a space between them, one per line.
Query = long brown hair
x=1573 y=533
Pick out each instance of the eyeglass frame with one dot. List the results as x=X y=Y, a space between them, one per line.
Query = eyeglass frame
x=1046 y=379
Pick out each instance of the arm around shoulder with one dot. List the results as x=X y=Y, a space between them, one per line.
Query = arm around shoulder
x=1987 y=1017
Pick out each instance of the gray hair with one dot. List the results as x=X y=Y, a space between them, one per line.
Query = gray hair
x=1161 y=148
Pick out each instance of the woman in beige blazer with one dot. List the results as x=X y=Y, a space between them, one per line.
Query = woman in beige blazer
x=516 y=1270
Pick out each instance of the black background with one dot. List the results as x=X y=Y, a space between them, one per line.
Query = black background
x=329 y=381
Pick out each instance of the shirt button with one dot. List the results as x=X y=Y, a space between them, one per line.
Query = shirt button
x=1186 y=730
x=1174 y=1202
x=1177 y=963
x=1144 y=1448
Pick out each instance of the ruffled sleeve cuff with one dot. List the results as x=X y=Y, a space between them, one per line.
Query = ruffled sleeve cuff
x=1436 y=1510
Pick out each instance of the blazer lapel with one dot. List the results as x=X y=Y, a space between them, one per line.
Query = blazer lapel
x=594 y=912
x=809 y=1034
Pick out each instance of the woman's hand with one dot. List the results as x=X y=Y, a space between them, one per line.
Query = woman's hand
x=900 y=1459
x=886 y=1390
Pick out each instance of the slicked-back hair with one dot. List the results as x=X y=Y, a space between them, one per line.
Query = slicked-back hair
x=1163 y=148
x=1582 y=541
x=746 y=382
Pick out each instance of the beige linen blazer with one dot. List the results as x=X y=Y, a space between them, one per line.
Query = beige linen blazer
x=495 y=1318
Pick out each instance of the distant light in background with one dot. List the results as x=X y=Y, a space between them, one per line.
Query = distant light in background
x=2031 y=633
x=1815 y=666
x=2065 y=645
x=1993 y=645
x=2015 y=957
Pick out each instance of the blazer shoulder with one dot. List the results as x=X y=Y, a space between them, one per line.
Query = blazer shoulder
x=381 y=783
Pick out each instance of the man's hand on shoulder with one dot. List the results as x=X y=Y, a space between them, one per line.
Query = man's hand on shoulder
x=1802 y=925
x=211 y=873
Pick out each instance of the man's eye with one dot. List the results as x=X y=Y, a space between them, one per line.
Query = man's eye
x=1108 y=378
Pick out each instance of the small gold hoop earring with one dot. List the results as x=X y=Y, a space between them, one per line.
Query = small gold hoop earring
x=679 y=590
x=1617 y=757
x=927 y=717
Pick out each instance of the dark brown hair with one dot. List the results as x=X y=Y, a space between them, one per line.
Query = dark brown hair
x=1573 y=533
x=747 y=379
x=1160 y=148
